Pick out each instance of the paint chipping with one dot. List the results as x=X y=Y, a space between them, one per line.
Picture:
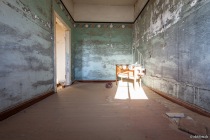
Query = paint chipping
x=193 y=3
x=26 y=51
x=164 y=20
x=27 y=13
x=173 y=49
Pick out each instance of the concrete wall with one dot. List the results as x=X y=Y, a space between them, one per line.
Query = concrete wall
x=95 y=57
x=103 y=13
x=26 y=50
x=173 y=37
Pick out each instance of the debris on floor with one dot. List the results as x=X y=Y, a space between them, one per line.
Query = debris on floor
x=109 y=85
x=192 y=127
x=109 y=99
x=60 y=85
x=187 y=124
x=176 y=120
x=175 y=115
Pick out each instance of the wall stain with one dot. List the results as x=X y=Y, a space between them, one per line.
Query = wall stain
x=12 y=32
x=46 y=37
x=41 y=11
x=7 y=30
x=3 y=93
x=43 y=83
x=44 y=51
x=5 y=73
x=15 y=98
x=7 y=46
x=35 y=64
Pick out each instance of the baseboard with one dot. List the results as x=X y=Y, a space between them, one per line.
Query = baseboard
x=13 y=110
x=189 y=106
x=73 y=82
x=95 y=81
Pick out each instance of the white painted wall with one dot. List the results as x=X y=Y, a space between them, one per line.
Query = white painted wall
x=103 y=13
x=60 y=53
x=139 y=6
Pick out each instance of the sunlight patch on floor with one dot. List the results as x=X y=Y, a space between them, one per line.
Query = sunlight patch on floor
x=125 y=90
x=122 y=91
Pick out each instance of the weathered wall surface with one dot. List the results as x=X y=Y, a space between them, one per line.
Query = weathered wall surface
x=26 y=51
x=98 y=48
x=173 y=37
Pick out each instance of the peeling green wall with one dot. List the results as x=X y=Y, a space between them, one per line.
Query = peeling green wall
x=173 y=37
x=26 y=49
x=95 y=57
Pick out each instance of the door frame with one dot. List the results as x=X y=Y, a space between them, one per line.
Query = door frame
x=67 y=51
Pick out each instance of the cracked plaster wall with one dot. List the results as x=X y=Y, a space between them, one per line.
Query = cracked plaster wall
x=173 y=36
x=97 y=50
x=26 y=50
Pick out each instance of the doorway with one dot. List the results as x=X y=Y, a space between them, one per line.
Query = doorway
x=62 y=35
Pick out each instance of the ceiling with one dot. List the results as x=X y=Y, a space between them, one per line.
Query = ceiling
x=104 y=10
x=107 y=2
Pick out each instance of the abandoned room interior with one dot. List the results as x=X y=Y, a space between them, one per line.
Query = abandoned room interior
x=104 y=69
